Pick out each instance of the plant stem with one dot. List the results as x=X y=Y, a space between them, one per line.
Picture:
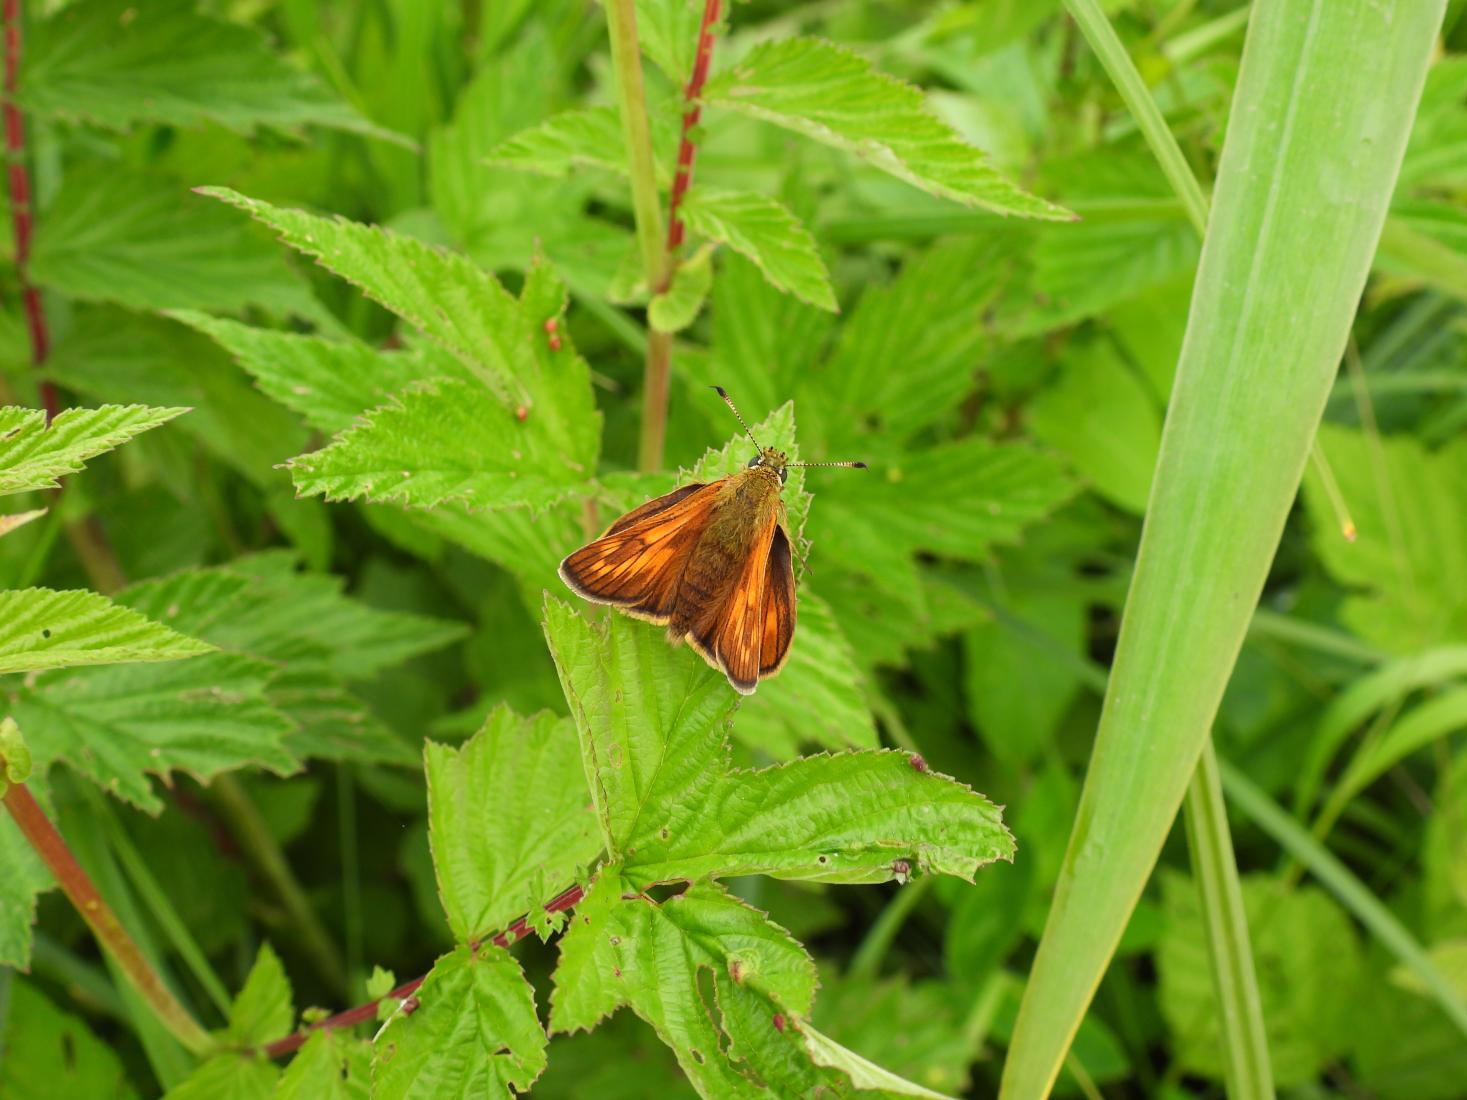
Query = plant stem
x=79 y=889
x=1246 y=1065
x=566 y=899
x=626 y=62
x=258 y=847
x=655 y=380
x=866 y=962
x=692 y=111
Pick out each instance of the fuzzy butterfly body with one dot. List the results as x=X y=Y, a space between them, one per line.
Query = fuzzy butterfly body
x=711 y=562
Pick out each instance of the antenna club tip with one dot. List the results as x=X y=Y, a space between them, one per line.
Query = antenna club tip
x=859 y=466
x=723 y=393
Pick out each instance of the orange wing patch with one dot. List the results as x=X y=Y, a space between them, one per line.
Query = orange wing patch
x=730 y=636
x=779 y=606
x=638 y=563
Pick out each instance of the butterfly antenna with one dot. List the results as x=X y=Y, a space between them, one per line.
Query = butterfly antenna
x=847 y=465
x=727 y=400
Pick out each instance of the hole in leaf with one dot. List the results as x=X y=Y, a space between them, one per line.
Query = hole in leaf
x=666 y=891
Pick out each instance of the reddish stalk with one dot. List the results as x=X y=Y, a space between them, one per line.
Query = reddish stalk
x=567 y=899
x=687 y=149
x=20 y=204
x=36 y=827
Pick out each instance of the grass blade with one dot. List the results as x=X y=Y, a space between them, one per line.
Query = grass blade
x=1308 y=167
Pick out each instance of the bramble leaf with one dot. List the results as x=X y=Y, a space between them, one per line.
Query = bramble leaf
x=766 y=232
x=834 y=96
x=34 y=454
x=677 y=307
x=41 y=629
x=104 y=62
x=467 y=311
x=22 y=878
x=474 y=1033
x=652 y=721
x=49 y=1052
x=588 y=137
x=332 y=1065
x=147 y=243
x=229 y=1076
x=509 y=819
x=262 y=1011
x=328 y=383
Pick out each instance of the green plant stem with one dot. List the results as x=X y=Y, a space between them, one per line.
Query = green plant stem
x=1246 y=1065
x=655 y=382
x=1352 y=893
x=158 y=904
x=626 y=64
x=36 y=827
x=248 y=827
x=1118 y=65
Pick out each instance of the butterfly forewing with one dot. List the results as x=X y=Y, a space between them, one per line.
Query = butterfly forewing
x=639 y=562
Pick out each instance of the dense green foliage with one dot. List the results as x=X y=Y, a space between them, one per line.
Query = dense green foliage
x=362 y=296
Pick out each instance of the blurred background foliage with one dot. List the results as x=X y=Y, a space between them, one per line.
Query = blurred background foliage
x=1006 y=382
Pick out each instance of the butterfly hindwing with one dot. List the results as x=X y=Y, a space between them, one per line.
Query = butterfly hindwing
x=730 y=634
x=779 y=605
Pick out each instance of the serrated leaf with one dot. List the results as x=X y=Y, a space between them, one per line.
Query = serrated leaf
x=22 y=878
x=910 y=349
x=315 y=636
x=677 y=307
x=42 y=629
x=34 y=454
x=767 y=233
x=652 y=722
x=466 y=310
x=589 y=137
x=116 y=725
x=332 y=1065
x=442 y=442
x=107 y=63
x=51 y=1053
x=262 y=1011
x=328 y=383
x=834 y=96
x=863 y=1073
x=668 y=32
x=510 y=820
x=147 y=243
x=474 y=1033
x=1406 y=567
x=228 y=1077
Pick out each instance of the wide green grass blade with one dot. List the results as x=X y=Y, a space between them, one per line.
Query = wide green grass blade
x=1307 y=171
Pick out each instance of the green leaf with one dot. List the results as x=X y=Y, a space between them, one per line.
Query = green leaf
x=509 y=818
x=727 y=989
x=668 y=32
x=834 y=96
x=262 y=1012
x=907 y=353
x=146 y=243
x=330 y=1066
x=768 y=234
x=677 y=307
x=1252 y=380
x=117 y=725
x=34 y=454
x=590 y=137
x=22 y=878
x=652 y=721
x=51 y=1053
x=317 y=637
x=41 y=629
x=328 y=383
x=104 y=62
x=474 y=1033
x=1407 y=568
x=1309 y=964
x=228 y=1077
x=1101 y=416
x=464 y=309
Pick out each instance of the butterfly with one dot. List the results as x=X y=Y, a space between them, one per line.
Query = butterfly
x=711 y=562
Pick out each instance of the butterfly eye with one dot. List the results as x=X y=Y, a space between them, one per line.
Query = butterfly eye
x=784 y=475
x=755 y=461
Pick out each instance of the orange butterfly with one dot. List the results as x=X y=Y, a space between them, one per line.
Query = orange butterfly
x=711 y=562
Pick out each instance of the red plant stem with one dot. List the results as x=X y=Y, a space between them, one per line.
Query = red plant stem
x=36 y=827
x=567 y=899
x=686 y=149
x=20 y=203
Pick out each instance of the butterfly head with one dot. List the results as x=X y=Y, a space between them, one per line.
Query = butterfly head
x=775 y=461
